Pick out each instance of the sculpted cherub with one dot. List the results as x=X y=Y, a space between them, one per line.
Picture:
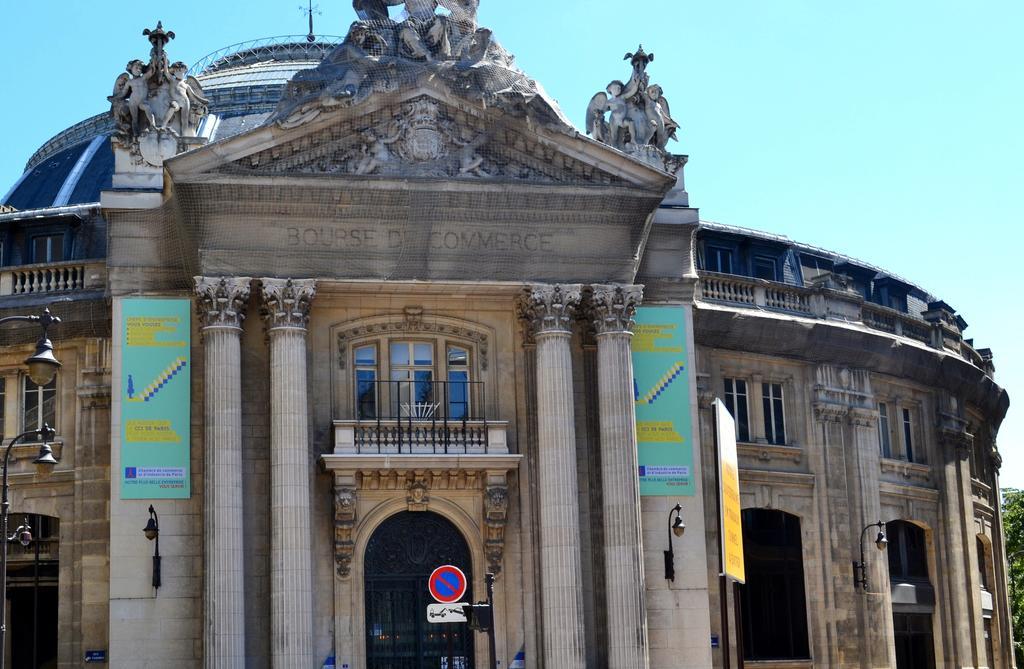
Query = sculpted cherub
x=657 y=110
x=131 y=90
x=185 y=99
x=613 y=101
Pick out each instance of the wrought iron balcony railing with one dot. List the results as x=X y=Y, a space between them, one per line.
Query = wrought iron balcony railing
x=420 y=416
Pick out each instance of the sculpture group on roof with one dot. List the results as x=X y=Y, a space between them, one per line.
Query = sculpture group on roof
x=156 y=98
x=635 y=115
x=436 y=40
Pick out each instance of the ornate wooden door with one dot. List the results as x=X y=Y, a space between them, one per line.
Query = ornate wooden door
x=400 y=556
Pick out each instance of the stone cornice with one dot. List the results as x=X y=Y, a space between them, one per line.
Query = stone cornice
x=285 y=303
x=612 y=307
x=549 y=308
x=221 y=301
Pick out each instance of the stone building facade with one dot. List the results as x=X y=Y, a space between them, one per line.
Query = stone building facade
x=414 y=285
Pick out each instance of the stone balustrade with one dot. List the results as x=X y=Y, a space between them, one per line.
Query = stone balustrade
x=45 y=278
x=420 y=437
x=840 y=305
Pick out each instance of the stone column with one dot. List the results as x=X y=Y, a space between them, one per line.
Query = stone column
x=221 y=305
x=612 y=310
x=286 y=306
x=550 y=309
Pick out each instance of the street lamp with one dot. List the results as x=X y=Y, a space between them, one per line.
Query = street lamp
x=42 y=367
x=152 y=532
x=676 y=527
x=860 y=569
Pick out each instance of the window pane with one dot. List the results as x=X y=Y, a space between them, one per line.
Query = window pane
x=56 y=249
x=884 y=438
x=424 y=387
x=400 y=353
x=458 y=357
x=764 y=268
x=31 y=406
x=908 y=436
x=366 y=393
x=424 y=354
x=366 y=355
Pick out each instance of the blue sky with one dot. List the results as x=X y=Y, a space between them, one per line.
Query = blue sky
x=890 y=131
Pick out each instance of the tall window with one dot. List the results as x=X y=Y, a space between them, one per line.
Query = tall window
x=367 y=395
x=412 y=368
x=40 y=404
x=718 y=260
x=774 y=606
x=908 y=566
x=908 y=436
x=774 y=413
x=458 y=383
x=736 y=403
x=983 y=578
x=48 y=248
x=3 y=401
x=884 y=435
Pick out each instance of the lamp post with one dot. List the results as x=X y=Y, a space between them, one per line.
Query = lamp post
x=152 y=532
x=42 y=367
x=860 y=569
x=676 y=527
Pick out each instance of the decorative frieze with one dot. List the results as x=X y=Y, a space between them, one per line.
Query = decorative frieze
x=286 y=302
x=550 y=308
x=612 y=308
x=221 y=301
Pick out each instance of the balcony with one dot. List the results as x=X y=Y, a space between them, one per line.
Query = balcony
x=422 y=417
x=831 y=299
x=50 y=278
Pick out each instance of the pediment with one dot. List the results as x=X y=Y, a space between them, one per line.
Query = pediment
x=424 y=134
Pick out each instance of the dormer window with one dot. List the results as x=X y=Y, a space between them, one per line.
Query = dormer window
x=719 y=259
x=48 y=248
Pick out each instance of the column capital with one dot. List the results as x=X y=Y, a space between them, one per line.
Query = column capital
x=612 y=307
x=549 y=308
x=285 y=303
x=222 y=300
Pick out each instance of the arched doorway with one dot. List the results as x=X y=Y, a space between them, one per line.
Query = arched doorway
x=400 y=556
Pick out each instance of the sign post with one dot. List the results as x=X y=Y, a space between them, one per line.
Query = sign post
x=730 y=523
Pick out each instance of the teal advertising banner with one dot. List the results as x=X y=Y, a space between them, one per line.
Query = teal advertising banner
x=155 y=398
x=661 y=387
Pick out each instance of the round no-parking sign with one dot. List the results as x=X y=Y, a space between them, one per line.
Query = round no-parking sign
x=447 y=584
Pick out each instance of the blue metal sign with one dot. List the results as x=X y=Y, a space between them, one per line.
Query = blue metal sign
x=95 y=656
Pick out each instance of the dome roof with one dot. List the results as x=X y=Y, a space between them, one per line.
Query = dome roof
x=244 y=83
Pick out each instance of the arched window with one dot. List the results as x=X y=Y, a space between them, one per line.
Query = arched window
x=913 y=598
x=773 y=602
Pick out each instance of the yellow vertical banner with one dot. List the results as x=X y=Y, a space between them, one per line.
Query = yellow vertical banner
x=729 y=495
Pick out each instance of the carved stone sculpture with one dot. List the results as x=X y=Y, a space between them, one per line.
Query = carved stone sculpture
x=344 y=525
x=633 y=117
x=157 y=108
x=549 y=308
x=495 y=519
x=430 y=39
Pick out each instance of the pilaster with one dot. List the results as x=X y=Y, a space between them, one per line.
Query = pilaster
x=549 y=311
x=221 y=304
x=612 y=308
x=285 y=308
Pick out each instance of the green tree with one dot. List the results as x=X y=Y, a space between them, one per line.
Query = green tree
x=1013 y=531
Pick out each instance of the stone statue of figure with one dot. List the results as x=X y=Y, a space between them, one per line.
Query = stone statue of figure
x=187 y=101
x=131 y=91
x=639 y=81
